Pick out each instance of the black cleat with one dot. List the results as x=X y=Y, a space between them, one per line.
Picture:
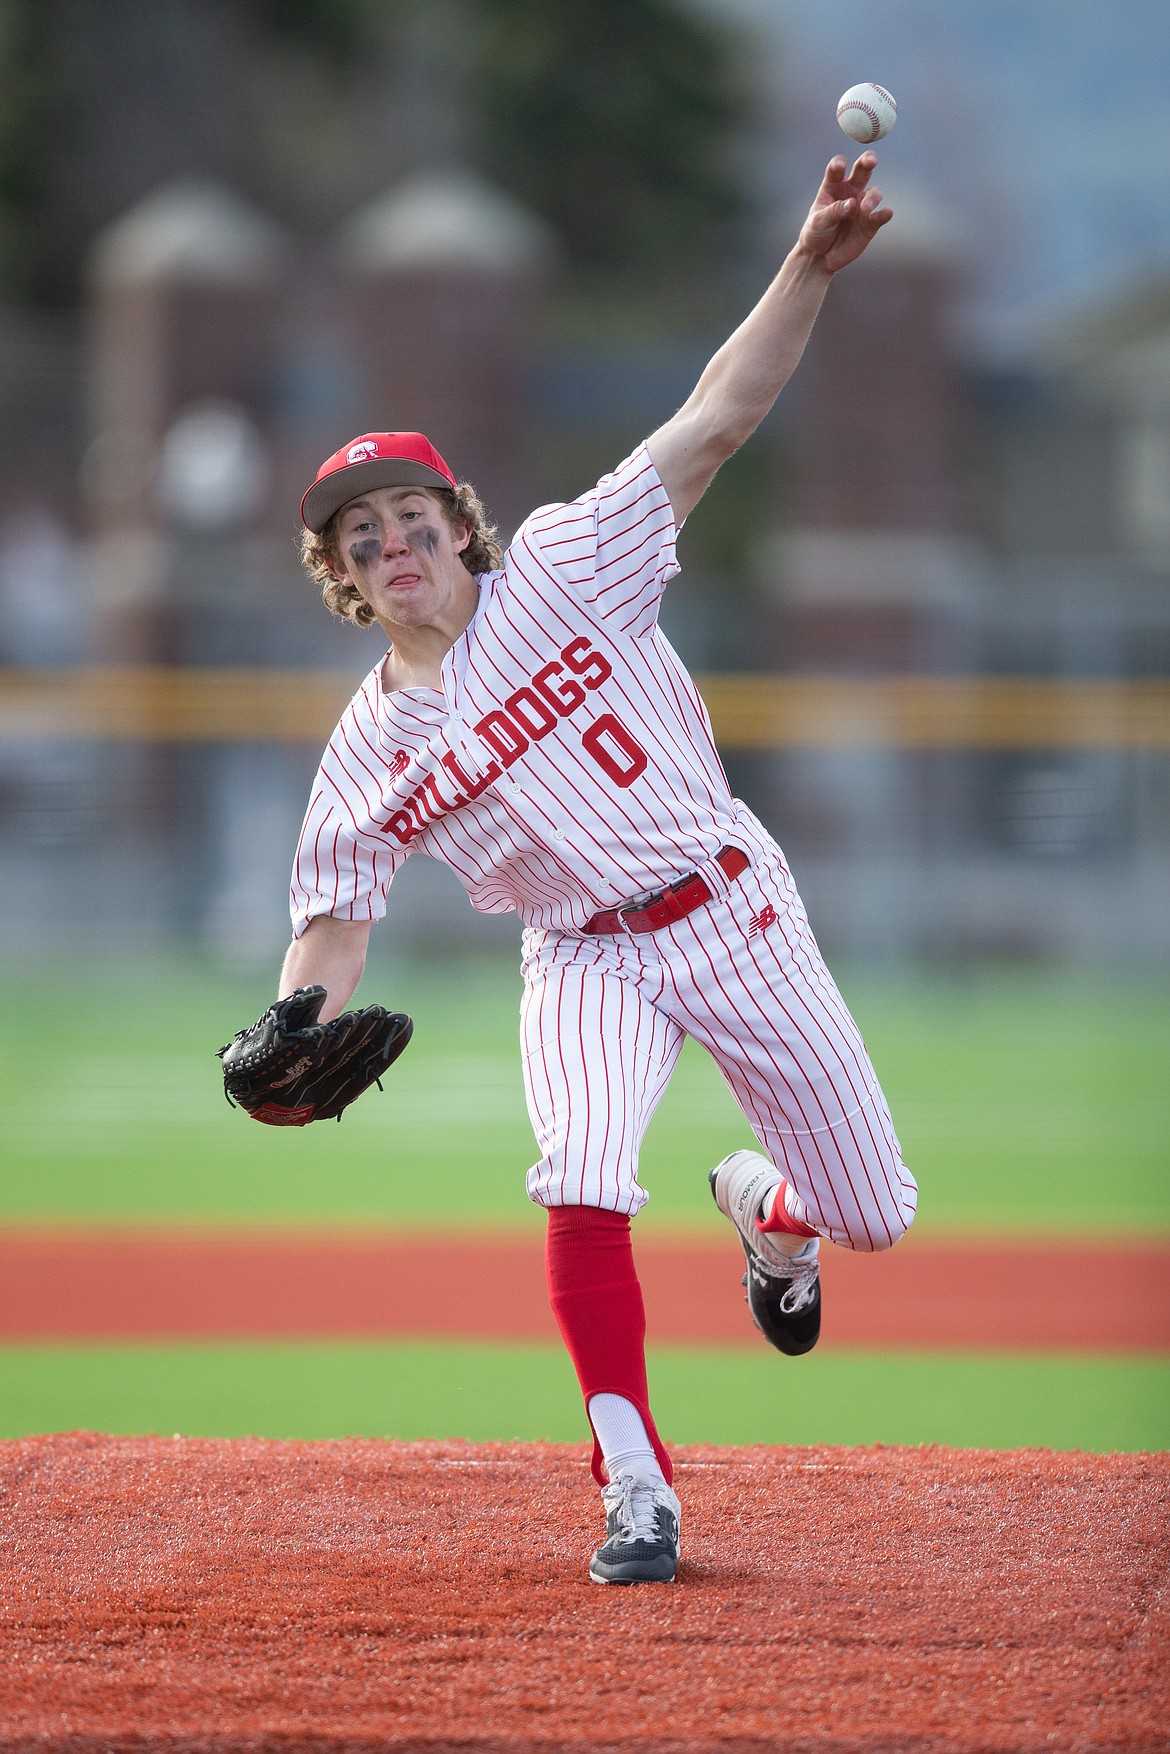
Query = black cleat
x=641 y=1533
x=783 y=1293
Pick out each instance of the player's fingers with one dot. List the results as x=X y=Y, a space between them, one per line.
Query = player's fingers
x=827 y=218
x=862 y=171
x=882 y=216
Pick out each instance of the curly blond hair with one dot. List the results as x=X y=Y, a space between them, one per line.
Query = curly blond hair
x=321 y=553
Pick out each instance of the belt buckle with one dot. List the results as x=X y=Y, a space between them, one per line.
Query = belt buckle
x=634 y=904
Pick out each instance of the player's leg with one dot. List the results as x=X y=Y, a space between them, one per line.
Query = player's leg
x=597 y=1058
x=597 y=1052
x=750 y=983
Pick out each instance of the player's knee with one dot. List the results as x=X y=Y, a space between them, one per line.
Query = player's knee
x=896 y=1226
x=897 y=1216
x=872 y=1233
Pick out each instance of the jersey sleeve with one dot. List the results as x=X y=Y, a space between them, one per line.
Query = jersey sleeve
x=613 y=547
x=342 y=866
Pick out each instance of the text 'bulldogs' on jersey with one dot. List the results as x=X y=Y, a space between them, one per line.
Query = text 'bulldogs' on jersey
x=529 y=713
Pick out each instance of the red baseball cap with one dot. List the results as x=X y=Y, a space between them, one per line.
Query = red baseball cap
x=374 y=459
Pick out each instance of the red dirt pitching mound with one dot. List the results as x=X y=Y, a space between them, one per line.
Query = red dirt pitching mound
x=199 y=1595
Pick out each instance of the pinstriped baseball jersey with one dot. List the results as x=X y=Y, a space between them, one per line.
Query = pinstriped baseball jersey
x=567 y=761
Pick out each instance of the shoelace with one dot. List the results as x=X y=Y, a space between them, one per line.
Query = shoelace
x=803 y=1277
x=636 y=1505
x=802 y=1287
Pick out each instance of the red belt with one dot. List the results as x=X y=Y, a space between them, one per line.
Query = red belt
x=669 y=905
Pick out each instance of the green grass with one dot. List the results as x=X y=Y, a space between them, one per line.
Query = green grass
x=528 y=1392
x=1026 y=1100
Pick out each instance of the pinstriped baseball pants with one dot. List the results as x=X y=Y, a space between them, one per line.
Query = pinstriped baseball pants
x=603 y=1021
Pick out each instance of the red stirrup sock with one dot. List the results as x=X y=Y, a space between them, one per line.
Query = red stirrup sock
x=781 y=1219
x=597 y=1301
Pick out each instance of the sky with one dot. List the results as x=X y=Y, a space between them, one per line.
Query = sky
x=1040 y=125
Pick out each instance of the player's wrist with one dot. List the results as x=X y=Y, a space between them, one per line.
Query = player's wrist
x=809 y=263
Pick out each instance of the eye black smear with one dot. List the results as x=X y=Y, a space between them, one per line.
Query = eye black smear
x=365 y=553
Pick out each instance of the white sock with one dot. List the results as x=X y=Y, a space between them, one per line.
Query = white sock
x=623 y=1438
x=809 y=1245
x=785 y=1240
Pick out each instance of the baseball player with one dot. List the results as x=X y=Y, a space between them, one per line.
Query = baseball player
x=531 y=727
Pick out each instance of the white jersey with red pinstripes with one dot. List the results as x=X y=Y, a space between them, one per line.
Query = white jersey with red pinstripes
x=567 y=761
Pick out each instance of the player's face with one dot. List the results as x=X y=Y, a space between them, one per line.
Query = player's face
x=400 y=553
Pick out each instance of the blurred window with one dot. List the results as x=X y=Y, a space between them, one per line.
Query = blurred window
x=41 y=590
x=213 y=470
x=1145 y=488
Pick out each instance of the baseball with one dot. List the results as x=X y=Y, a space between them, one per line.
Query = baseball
x=867 y=113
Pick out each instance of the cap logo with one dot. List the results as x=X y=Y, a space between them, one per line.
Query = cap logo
x=359 y=453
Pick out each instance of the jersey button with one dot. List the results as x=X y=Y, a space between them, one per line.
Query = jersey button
x=515 y=786
x=558 y=834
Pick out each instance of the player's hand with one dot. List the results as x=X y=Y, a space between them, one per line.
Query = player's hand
x=288 y=1069
x=846 y=215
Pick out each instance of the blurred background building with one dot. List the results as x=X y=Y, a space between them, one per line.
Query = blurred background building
x=233 y=233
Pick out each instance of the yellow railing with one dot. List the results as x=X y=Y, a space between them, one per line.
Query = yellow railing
x=937 y=712
x=228 y=705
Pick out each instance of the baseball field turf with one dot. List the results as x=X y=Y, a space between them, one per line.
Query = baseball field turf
x=1030 y=1103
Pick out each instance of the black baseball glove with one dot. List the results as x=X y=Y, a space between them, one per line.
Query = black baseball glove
x=288 y=1069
